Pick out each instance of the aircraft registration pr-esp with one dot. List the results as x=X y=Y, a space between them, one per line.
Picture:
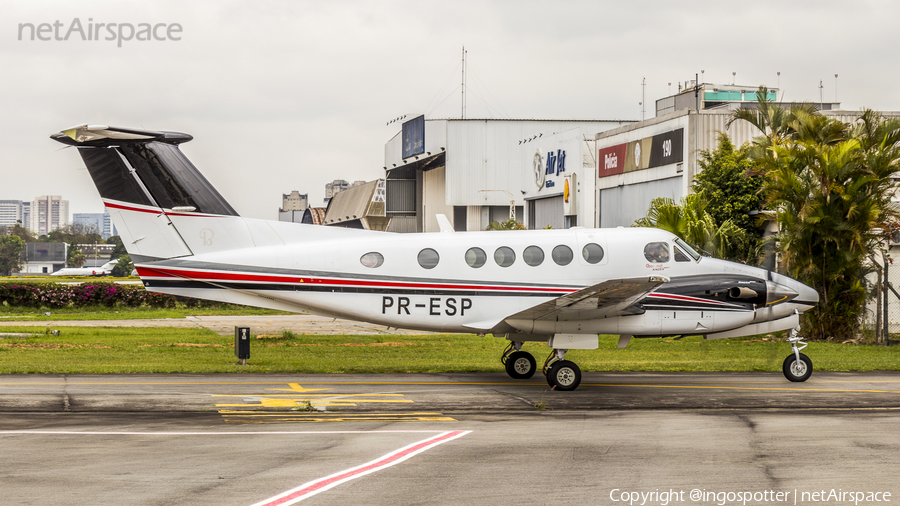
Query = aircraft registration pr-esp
x=562 y=287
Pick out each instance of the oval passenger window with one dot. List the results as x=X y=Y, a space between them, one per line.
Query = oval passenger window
x=592 y=253
x=504 y=256
x=562 y=255
x=476 y=257
x=428 y=258
x=533 y=256
x=372 y=260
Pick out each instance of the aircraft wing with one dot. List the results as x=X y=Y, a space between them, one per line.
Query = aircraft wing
x=609 y=298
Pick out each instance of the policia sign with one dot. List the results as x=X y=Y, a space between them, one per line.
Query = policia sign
x=647 y=153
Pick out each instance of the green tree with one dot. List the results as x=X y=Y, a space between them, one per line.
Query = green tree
x=124 y=267
x=11 y=254
x=21 y=232
x=830 y=184
x=690 y=221
x=118 y=249
x=731 y=191
x=506 y=225
x=76 y=259
x=74 y=235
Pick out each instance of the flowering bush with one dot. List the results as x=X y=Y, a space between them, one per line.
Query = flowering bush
x=52 y=295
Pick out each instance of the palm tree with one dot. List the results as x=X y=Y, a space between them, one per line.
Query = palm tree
x=830 y=184
x=690 y=221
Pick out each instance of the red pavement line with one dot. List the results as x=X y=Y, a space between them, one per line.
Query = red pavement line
x=312 y=488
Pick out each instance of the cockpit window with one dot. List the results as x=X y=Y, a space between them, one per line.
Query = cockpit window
x=687 y=248
x=679 y=256
x=657 y=252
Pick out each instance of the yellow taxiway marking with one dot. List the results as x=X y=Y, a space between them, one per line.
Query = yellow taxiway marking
x=300 y=394
x=328 y=396
x=284 y=417
x=295 y=387
x=286 y=403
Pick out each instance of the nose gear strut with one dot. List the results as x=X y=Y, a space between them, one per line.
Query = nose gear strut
x=797 y=367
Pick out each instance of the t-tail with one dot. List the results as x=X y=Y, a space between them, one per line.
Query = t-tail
x=161 y=204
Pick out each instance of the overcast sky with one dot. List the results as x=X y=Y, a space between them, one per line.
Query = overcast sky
x=289 y=95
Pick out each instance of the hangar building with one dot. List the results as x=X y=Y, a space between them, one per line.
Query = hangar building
x=474 y=170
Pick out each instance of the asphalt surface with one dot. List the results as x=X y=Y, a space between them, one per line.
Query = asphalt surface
x=448 y=439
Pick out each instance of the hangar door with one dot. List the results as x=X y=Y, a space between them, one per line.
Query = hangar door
x=548 y=211
x=621 y=206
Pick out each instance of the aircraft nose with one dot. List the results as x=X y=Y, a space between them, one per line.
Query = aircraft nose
x=807 y=295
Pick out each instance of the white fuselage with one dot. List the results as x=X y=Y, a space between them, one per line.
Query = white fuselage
x=320 y=270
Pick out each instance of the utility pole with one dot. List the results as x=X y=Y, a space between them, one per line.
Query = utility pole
x=463 y=114
x=697 y=90
x=821 y=98
x=835 y=88
x=643 y=89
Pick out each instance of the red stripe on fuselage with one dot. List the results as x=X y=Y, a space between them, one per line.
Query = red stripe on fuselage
x=230 y=276
x=686 y=298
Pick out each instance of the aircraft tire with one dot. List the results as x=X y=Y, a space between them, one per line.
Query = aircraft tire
x=520 y=365
x=797 y=371
x=564 y=375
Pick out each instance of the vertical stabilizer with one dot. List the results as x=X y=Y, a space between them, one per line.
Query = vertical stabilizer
x=147 y=183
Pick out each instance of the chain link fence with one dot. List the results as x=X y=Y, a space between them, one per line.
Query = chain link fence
x=882 y=316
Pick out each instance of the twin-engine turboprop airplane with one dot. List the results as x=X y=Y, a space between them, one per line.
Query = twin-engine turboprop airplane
x=562 y=287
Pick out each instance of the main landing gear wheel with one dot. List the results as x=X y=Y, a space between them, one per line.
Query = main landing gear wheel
x=797 y=370
x=520 y=365
x=564 y=375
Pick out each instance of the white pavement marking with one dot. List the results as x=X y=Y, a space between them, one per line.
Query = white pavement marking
x=312 y=488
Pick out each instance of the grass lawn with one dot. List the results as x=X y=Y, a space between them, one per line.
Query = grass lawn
x=89 y=350
x=8 y=313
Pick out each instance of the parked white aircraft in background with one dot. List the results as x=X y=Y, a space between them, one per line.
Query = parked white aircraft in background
x=103 y=270
x=562 y=287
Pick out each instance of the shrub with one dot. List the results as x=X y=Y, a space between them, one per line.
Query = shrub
x=53 y=295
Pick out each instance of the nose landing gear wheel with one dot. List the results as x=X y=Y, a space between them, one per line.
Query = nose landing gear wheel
x=797 y=370
x=520 y=365
x=564 y=375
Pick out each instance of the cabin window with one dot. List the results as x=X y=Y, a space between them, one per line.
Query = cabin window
x=504 y=256
x=476 y=257
x=592 y=253
x=679 y=256
x=533 y=256
x=428 y=258
x=687 y=248
x=562 y=255
x=372 y=260
x=657 y=252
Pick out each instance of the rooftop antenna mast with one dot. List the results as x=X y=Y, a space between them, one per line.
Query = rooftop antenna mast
x=643 y=90
x=835 y=88
x=464 y=82
x=821 y=96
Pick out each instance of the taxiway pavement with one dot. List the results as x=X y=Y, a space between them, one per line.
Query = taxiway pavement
x=478 y=439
